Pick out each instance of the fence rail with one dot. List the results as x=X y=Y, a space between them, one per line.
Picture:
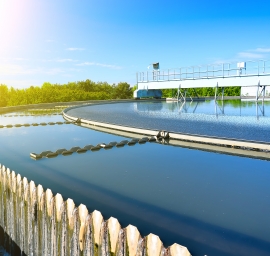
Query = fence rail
x=40 y=223
x=224 y=70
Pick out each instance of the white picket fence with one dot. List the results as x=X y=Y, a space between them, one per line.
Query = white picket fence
x=41 y=223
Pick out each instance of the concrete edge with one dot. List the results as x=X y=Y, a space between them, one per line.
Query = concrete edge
x=189 y=144
x=224 y=142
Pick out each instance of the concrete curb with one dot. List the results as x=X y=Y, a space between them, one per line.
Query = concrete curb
x=224 y=142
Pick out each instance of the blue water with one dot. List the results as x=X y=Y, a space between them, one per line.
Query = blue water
x=212 y=203
x=233 y=119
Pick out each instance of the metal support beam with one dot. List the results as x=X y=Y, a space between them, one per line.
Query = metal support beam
x=178 y=92
x=257 y=94
x=182 y=96
x=263 y=93
x=216 y=92
x=185 y=95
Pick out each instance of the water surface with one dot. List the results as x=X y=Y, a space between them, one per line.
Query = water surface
x=212 y=203
x=230 y=119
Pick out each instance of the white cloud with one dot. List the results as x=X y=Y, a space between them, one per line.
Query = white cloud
x=12 y=70
x=20 y=59
x=58 y=60
x=258 y=53
x=262 y=50
x=54 y=71
x=99 y=65
x=65 y=60
x=75 y=49
x=250 y=55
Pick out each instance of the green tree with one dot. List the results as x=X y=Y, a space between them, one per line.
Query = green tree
x=88 y=90
x=46 y=85
x=122 y=91
x=134 y=88
x=3 y=95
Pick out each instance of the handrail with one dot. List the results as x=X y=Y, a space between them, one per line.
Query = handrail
x=221 y=70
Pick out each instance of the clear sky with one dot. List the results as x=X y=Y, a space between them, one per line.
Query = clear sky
x=61 y=41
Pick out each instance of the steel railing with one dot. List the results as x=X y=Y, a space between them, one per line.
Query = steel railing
x=223 y=70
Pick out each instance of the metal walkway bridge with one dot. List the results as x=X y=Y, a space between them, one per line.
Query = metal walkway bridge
x=243 y=74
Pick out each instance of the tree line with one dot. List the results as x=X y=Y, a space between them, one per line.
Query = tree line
x=73 y=91
x=88 y=90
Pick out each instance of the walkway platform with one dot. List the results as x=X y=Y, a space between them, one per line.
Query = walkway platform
x=243 y=74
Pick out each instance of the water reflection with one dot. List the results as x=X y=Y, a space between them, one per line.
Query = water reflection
x=217 y=108
x=212 y=203
x=234 y=119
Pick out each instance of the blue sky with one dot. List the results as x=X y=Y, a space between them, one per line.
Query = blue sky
x=61 y=41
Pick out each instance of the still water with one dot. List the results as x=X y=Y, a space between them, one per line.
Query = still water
x=212 y=203
x=231 y=119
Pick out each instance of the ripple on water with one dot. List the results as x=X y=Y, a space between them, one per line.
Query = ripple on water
x=204 y=118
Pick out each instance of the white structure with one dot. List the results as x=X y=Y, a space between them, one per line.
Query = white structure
x=244 y=74
x=252 y=91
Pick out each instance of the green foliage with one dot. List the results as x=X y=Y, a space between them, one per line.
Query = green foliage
x=122 y=91
x=3 y=95
x=169 y=93
x=134 y=88
x=203 y=92
x=88 y=90
x=74 y=91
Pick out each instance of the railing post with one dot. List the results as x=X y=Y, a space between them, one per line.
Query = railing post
x=216 y=92
x=258 y=88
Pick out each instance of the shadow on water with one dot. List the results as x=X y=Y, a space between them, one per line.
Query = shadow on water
x=9 y=247
x=199 y=237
